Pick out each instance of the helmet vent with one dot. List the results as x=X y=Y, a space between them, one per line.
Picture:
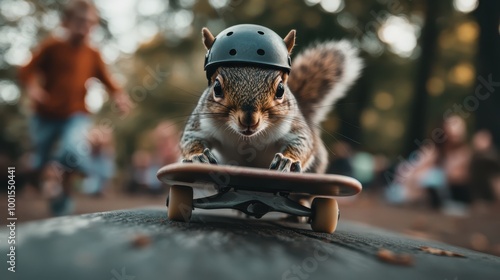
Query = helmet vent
x=232 y=52
x=261 y=52
x=229 y=33
x=260 y=32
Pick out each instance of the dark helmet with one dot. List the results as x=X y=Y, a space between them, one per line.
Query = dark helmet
x=248 y=44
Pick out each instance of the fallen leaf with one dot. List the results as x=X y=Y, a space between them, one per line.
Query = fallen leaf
x=440 y=252
x=141 y=241
x=393 y=258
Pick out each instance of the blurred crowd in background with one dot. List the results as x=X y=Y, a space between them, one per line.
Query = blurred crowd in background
x=449 y=174
x=422 y=57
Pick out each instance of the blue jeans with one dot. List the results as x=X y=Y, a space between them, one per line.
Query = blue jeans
x=103 y=169
x=73 y=151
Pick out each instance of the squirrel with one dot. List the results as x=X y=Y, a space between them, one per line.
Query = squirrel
x=267 y=117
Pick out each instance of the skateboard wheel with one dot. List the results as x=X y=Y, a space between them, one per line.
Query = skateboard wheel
x=325 y=214
x=180 y=204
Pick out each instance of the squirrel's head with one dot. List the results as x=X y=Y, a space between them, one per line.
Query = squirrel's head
x=250 y=98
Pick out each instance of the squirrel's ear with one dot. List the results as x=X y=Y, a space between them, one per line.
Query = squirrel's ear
x=290 y=40
x=208 y=38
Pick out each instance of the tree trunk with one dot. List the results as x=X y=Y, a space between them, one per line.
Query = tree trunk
x=416 y=127
x=488 y=67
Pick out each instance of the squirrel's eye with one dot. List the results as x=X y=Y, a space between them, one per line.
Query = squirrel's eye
x=280 y=90
x=218 y=89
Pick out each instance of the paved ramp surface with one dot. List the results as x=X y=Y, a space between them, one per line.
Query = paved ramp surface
x=141 y=244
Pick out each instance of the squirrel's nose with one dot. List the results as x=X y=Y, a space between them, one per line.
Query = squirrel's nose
x=248 y=121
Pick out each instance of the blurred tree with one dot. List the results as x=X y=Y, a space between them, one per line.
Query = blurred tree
x=488 y=67
x=416 y=125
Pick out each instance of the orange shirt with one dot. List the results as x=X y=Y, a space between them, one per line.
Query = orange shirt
x=64 y=69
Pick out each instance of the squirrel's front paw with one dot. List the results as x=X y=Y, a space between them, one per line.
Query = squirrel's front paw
x=285 y=164
x=205 y=157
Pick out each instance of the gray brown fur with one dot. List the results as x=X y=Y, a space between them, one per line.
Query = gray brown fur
x=321 y=75
x=285 y=131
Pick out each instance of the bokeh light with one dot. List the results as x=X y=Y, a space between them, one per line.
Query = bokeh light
x=14 y=10
x=332 y=6
x=383 y=100
x=435 y=86
x=400 y=35
x=329 y=6
x=369 y=119
x=151 y=7
x=467 y=32
x=462 y=74
x=96 y=95
x=218 y=4
x=465 y=6
x=312 y=2
x=9 y=92
x=347 y=20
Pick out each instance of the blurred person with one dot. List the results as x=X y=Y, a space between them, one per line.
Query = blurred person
x=50 y=178
x=485 y=166
x=454 y=155
x=146 y=164
x=369 y=168
x=440 y=172
x=381 y=165
x=166 y=137
x=102 y=155
x=54 y=80
x=143 y=173
x=363 y=164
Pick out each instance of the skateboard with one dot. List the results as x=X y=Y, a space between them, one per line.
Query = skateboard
x=255 y=192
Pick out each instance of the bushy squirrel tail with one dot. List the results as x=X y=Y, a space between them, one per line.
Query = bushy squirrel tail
x=321 y=75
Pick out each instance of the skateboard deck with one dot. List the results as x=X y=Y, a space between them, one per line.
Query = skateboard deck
x=257 y=179
x=256 y=192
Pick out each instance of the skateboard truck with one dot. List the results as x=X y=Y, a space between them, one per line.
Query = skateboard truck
x=252 y=204
x=257 y=205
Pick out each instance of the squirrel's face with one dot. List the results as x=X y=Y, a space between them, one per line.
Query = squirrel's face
x=249 y=99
